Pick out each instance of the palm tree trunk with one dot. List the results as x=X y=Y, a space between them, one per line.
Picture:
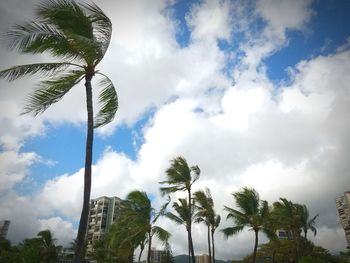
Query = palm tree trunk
x=149 y=247
x=255 y=245
x=189 y=223
x=193 y=257
x=142 y=248
x=87 y=173
x=209 y=245
x=212 y=243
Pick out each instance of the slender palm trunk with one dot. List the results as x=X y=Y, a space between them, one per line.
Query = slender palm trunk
x=212 y=243
x=209 y=245
x=305 y=234
x=255 y=245
x=149 y=247
x=189 y=224
x=87 y=173
x=142 y=248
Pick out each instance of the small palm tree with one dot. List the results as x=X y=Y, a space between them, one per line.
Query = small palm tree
x=252 y=213
x=78 y=35
x=181 y=177
x=138 y=218
x=206 y=214
x=307 y=223
x=183 y=216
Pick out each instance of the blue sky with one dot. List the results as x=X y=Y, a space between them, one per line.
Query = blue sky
x=254 y=92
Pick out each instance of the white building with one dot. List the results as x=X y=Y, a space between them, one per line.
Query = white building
x=104 y=211
x=343 y=207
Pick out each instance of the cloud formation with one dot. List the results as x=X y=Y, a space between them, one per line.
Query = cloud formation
x=285 y=140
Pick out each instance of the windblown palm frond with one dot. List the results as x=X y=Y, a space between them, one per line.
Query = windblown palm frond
x=108 y=99
x=51 y=91
x=43 y=69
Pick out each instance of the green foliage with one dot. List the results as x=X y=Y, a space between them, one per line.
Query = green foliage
x=135 y=226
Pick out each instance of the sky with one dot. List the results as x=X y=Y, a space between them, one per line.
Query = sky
x=256 y=93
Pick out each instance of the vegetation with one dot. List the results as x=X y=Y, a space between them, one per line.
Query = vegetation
x=78 y=36
x=206 y=214
x=252 y=213
x=181 y=177
x=40 y=249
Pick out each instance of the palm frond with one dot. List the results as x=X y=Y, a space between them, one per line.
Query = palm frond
x=102 y=26
x=108 y=99
x=52 y=91
x=230 y=231
x=175 y=218
x=161 y=233
x=66 y=16
x=34 y=37
x=43 y=69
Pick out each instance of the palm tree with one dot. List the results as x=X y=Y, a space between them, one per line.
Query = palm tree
x=206 y=214
x=252 y=213
x=49 y=249
x=307 y=223
x=184 y=217
x=78 y=35
x=138 y=218
x=181 y=177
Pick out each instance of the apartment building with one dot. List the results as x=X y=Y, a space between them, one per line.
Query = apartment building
x=104 y=211
x=343 y=207
x=4 y=227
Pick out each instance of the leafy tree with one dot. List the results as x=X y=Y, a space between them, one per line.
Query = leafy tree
x=252 y=213
x=206 y=214
x=78 y=35
x=181 y=177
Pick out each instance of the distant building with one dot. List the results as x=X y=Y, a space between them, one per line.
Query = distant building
x=103 y=212
x=343 y=207
x=203 y=259
x=157 y=255
x=4 y=227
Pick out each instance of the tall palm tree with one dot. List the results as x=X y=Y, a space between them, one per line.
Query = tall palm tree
x=206 y=214
x=252 y=213
x=78 y=36
x=138 y=218
x=181 y=177
x=183 y=216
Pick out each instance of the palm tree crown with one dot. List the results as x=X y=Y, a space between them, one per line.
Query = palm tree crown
x=77 y=35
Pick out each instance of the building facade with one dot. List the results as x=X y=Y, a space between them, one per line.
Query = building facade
x=343 y=207
x=4 y=227
x=103 y=212
x=157 y=255
x=203 y=259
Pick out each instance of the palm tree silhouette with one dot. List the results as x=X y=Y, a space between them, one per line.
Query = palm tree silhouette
x=181 y=177
x=252 y=213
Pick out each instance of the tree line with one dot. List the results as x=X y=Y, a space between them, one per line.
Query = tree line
x=136 y=226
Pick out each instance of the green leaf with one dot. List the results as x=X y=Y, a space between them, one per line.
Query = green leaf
x=108 y=101
x=51 y=91
x=44 y=69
